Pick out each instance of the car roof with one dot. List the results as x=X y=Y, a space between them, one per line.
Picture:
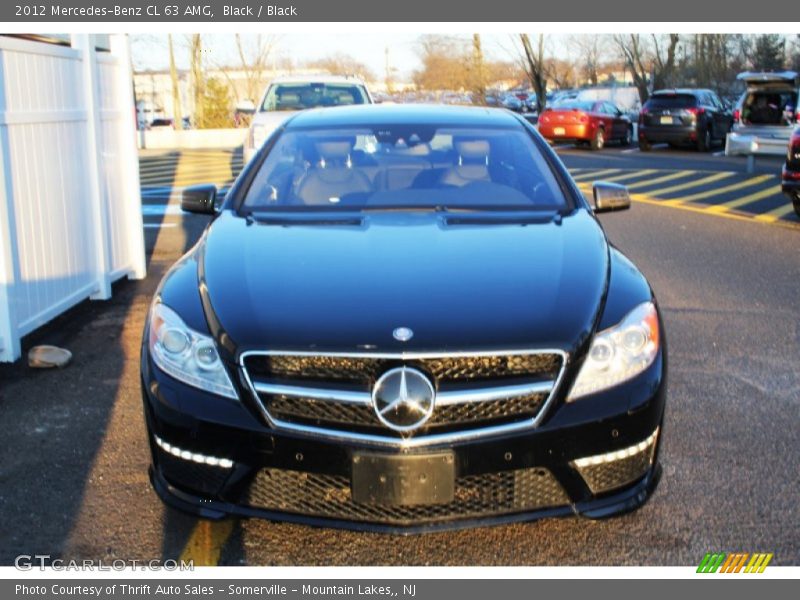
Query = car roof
x=318 y=78
x=676 y=91
x=370 y=115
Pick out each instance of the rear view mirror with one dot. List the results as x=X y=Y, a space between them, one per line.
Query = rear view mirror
x=200 y=199
x=610 y=196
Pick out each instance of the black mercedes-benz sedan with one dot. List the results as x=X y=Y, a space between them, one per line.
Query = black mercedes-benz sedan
x=403 y=318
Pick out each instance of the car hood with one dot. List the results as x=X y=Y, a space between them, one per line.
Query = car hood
x=346 y=287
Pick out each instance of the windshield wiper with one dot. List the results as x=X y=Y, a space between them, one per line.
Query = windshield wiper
x=262 y=218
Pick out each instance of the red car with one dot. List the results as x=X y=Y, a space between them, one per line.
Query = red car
x=790 y=178
x=595 y=122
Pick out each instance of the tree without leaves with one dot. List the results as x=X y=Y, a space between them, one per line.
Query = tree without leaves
x=197 y=75
x=651 y=61
x=477 y=74
x=591 y=50
x=445 y=61
x=177 y=112
x=342 y=64
x=533 y=62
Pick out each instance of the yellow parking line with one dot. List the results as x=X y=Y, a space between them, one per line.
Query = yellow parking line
x=641 y=173
x=595 y=174
x=775 y=214
x=737 y=202
x=697 y=208
x=665 y=178
x=206 y=542
x=690 y=184
x=723 y=190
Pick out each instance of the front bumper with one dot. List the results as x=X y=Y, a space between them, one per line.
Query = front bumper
x=519 y=476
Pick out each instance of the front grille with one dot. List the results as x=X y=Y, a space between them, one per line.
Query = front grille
x=331 y=393
x=362 y=417
x=329 y=496
x=364 y=371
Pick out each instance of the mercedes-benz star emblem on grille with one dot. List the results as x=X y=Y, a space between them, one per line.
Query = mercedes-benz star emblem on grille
x=402 y=334
x=403 y=399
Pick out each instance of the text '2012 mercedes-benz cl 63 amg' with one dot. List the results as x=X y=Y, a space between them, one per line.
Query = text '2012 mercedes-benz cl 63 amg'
x=402 y=318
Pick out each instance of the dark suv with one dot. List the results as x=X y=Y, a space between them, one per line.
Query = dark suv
x=684 y=117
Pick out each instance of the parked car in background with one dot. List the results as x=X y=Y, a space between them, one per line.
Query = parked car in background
x=286 y=96
x=560 y=96
x=686 y=116
x=586 y=122
x=512 y=102
x=766 y=113
x=790 y=178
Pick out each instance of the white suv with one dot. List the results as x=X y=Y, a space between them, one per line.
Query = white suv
x=766 y=114
x=288 y=95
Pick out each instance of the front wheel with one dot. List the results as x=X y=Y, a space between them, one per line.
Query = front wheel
x=598 y=141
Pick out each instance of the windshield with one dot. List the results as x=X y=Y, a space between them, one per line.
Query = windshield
x=671 y=101
x=405 y=166
x=575 y=105
x=300 y=96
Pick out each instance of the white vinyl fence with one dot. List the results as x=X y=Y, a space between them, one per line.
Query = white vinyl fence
x=70 y=208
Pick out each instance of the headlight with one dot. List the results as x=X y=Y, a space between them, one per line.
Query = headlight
x=619 y=353
x=258 y=133
x=187 y=355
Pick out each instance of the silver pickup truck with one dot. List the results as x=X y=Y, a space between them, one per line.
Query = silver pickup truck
x=765 y=115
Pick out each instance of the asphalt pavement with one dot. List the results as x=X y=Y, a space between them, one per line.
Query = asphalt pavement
x=73 y=465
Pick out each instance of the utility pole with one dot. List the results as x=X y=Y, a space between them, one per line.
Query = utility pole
x=388 y=68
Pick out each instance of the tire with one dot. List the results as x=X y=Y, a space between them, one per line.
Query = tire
x=598 y=140
x=628 y=139
x=796 y=204
x=704 y=141
x=644 y=145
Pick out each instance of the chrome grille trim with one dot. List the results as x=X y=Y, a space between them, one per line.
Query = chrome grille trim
x=442 y=398
x=400 y=442
x=332 y=395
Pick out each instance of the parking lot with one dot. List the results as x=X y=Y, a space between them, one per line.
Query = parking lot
x=721 y=248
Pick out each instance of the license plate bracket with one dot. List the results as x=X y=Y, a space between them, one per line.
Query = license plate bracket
x=403 y=479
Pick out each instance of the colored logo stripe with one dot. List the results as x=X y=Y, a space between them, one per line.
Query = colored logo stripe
x=733 y=563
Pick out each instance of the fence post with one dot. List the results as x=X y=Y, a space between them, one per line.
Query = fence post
x=10 y=349
x=123 y=80
x=99 y=216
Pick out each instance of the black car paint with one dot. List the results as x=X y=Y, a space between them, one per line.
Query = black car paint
x=222 y=286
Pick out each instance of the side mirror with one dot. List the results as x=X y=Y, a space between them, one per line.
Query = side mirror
x=610 y=196
x=200 y=199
